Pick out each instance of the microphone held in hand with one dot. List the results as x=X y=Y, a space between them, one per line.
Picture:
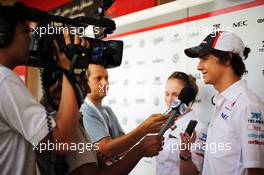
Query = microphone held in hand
x=186 y=95
x=175 y=103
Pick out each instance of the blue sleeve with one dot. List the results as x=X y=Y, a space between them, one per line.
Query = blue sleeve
x=93 y=124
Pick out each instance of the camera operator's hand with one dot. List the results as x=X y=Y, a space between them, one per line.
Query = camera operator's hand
x=62 y=58
x=150 y=146
x=153 y=123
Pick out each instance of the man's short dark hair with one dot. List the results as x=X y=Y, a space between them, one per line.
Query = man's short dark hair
x=235 y=60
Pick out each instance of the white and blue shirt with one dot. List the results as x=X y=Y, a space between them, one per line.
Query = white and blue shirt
x=236 y=131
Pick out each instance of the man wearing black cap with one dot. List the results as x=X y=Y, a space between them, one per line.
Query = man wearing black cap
x=237 y=125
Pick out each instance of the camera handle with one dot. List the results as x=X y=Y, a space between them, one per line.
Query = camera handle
x=75 y=85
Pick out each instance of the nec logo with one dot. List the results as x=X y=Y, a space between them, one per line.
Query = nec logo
x=261 y=20
x=224 y=116
x=240 y=23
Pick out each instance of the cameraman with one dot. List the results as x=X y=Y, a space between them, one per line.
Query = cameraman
x=23 y=121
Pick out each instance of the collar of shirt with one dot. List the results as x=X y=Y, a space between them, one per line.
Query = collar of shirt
x=231 y=93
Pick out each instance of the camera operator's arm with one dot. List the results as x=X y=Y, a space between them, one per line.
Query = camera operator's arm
x=112 y=147
x=68 y=113
x=148 y=147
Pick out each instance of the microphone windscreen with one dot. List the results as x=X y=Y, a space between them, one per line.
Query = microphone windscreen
x=187 y=95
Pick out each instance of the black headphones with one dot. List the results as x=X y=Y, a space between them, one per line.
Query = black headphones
x=6 y=27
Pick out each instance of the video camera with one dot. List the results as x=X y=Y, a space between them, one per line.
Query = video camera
x=107 y=53
x=43 y=52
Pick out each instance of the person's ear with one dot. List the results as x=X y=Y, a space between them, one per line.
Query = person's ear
x=228 y=61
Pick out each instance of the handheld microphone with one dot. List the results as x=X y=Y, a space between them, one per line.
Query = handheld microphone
x=186 y=95
x=175 y=103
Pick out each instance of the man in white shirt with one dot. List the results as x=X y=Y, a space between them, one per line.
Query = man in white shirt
x=237 y=125
x=23 y=121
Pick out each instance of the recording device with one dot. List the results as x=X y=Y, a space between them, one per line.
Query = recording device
x=186 y=95
x=107 y=53
x=43 y=52
x=192 y=124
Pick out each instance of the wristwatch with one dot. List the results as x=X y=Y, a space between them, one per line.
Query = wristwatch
x=186 y=158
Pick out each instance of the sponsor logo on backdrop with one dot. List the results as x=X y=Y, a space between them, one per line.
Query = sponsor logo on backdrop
x=126 y=64
x=194 y=33
x=175 y=58
x=140 y=100
x=175 y=36
x=156 y=101
x=141 y=62
x=111 y=101
x=125 y=82
x=260 y=20
x=125 y=102
x=158 y=60
x=217 y=27
x=240 y=23
x=141 y=82
x=262 y=47
x=158 y=40
x=157 y=80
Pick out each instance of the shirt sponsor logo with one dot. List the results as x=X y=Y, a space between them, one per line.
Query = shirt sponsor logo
x=203 y=137
x=224 y=116
x=255 y=118
x=255 y=142
x=256 y=136
x=255 y=127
